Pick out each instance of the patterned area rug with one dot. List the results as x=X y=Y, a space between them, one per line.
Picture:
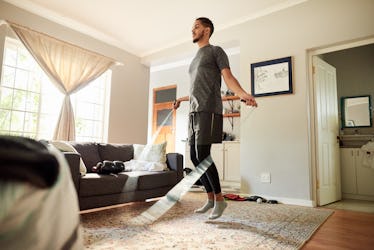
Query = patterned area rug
x=244 y=225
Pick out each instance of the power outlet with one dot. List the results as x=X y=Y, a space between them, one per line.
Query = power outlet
x=265 y=178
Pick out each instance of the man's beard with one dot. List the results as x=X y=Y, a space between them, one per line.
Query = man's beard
x=197 y=39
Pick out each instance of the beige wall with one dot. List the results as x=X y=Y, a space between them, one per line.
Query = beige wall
x=275 y=138
x=129 y=89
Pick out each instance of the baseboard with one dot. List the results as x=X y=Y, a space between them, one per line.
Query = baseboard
x=288 y=201
x=358 y=197
x=228 y=187
x=234 y=187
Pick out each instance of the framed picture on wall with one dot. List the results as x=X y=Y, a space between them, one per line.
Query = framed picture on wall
x=273 y=77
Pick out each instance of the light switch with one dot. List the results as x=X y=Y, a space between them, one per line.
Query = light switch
x=265 y=177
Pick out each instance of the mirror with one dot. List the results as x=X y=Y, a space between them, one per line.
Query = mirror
x=356 y=111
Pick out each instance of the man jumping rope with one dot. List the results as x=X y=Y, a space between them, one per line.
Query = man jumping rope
x=205 y=117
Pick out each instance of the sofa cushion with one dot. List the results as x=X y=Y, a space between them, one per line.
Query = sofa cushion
x=93 y=184
x=150 y=180
x=89 y=152
x=116 y=152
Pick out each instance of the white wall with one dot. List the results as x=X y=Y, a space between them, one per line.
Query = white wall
x=275 y=138
x=130 y=83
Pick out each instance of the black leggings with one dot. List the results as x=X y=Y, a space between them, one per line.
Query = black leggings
x=210 y=178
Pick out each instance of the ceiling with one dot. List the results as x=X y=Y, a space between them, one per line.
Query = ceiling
x=143 y=27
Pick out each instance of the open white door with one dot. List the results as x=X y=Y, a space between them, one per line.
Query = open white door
x=327 y=128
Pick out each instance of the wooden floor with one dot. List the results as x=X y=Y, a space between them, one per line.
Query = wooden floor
x=344 y=230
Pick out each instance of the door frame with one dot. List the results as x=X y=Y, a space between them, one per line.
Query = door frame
x=163 y=105
x=311 y=96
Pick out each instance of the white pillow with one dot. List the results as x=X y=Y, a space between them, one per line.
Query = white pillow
x=149 y=152
x=67 y=147
x=139 y=165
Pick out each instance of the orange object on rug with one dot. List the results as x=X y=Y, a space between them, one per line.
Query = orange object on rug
x=234 y=197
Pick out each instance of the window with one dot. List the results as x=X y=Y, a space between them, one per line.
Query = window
x=90 y=109
x=30 y=104
x=25 y=93
x=165 y=95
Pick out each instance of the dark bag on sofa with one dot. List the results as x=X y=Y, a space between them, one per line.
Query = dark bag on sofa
x=109 y=167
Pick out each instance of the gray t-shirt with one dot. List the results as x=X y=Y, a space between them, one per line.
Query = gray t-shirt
x=205 y=73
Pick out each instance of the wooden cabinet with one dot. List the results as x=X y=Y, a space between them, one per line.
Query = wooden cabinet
x=365 y=179
x=349 y=159
x=357 y=179
x=231 y=155
x=226 y=157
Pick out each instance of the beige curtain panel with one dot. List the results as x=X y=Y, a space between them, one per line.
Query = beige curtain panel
x=70 y=67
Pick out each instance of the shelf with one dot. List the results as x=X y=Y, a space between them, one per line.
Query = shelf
x=231 y=115
x=230 y=98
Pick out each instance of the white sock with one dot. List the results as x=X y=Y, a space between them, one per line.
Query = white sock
x=208 y=205
x=218 y=209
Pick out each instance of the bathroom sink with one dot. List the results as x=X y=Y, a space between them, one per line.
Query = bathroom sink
x=357 y=137
x=355 y=141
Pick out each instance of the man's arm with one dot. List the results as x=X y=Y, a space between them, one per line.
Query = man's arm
x=234 y=86
x=178 y=101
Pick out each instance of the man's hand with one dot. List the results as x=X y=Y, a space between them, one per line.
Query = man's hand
x=177 y=103
x=249 y=100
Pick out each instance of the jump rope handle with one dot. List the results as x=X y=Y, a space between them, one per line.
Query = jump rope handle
x=242 y=100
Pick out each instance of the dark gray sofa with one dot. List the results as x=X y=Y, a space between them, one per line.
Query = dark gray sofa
x=95 y=190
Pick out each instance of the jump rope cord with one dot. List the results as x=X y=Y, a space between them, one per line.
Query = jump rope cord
x=249 y=114
x=173 y=196
x=147 y=147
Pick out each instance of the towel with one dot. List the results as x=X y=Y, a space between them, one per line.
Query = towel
x=368 y=155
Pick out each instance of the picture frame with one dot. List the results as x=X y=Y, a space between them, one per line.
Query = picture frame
x=272 y=77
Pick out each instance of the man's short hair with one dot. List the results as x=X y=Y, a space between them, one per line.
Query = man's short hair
x=206 y=22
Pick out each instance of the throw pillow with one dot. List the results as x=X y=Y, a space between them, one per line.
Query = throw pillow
x=66 y=147
x=149 y=152
x=139 y=165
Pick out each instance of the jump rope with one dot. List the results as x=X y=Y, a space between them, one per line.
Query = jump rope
x=174 y=195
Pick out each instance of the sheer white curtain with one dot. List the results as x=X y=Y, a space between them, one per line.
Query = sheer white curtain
x=70 y=68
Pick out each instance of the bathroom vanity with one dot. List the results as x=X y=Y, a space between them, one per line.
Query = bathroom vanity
x=357 y=175
x=357 y=178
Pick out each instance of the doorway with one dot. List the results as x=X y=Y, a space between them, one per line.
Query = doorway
x=164 y=116
x=318 y=167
